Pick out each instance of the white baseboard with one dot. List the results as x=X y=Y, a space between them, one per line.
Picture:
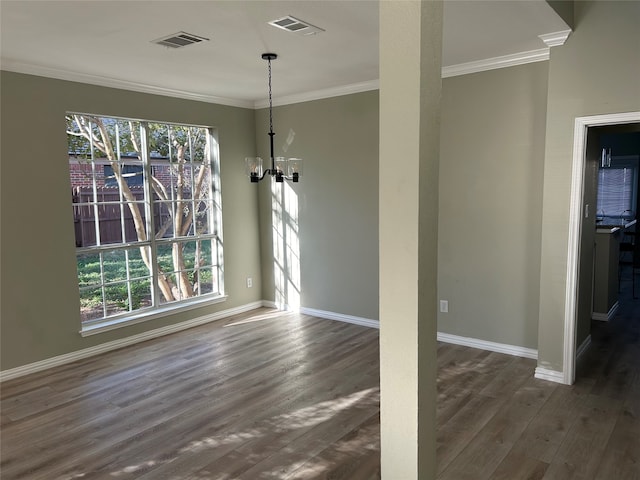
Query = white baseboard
x=278 y=306
x=491 y=346
x=269 y=304
x=442 y=337
x=605 y=317
x=123 y=342
x=340 y=317
x=541 y=373
x=365 y=322
x=550 y=375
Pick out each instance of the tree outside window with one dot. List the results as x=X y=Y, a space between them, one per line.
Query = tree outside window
x=147 y=215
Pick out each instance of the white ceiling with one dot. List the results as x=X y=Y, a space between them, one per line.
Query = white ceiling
x=109 y=43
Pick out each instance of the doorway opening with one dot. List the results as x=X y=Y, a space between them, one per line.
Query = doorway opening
x=578 y=211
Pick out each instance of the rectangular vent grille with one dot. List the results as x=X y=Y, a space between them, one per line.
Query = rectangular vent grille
x=180 y=39
x=292 y=24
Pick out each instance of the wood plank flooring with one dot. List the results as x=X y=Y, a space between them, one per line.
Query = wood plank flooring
x=270 y=395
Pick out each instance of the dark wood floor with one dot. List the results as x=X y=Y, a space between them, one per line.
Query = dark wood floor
x=262 y=395
x=497 y=422
x=267 y=395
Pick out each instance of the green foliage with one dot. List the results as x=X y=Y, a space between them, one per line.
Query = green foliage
x=114 y=269
x=163 y=137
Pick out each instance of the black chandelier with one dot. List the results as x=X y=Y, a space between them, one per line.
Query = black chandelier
x=281 y=168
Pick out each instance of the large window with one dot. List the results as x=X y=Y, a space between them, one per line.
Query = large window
x=147 y=215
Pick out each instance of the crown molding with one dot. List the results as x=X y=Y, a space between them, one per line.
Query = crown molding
x=43 y=71
x=448 y=71
x=495 y=63
x=321 y=94
x=555 y=39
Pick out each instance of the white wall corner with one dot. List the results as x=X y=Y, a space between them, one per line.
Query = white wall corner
x=555 y=39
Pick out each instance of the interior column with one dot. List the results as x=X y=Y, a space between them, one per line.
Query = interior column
x=410 y=88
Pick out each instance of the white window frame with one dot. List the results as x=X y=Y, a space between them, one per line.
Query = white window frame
x=159 y=309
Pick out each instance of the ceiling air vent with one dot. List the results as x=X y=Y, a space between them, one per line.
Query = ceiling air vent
x=292 y=24
x=180 y=39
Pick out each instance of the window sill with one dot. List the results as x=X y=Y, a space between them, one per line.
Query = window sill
x=121 y=322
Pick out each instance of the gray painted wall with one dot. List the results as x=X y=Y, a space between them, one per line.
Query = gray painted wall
x=492 y=149
x=337 y=201
x=337 y=198
x=595 y=72
x=40 y=305
x=492 y=153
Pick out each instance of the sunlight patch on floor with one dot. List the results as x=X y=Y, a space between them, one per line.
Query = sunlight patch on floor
x=303 y=418
x=135 y=468
x=323 y=411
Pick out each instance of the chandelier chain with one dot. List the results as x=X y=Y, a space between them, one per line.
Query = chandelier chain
x=270 y=102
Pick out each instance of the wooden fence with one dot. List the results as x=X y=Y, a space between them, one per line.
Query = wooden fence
x=109 y=215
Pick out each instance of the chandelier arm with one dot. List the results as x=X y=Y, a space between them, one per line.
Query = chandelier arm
x=264 y=174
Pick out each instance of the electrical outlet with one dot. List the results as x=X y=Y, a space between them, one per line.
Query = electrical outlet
x=444 y=306
x=249 y=282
